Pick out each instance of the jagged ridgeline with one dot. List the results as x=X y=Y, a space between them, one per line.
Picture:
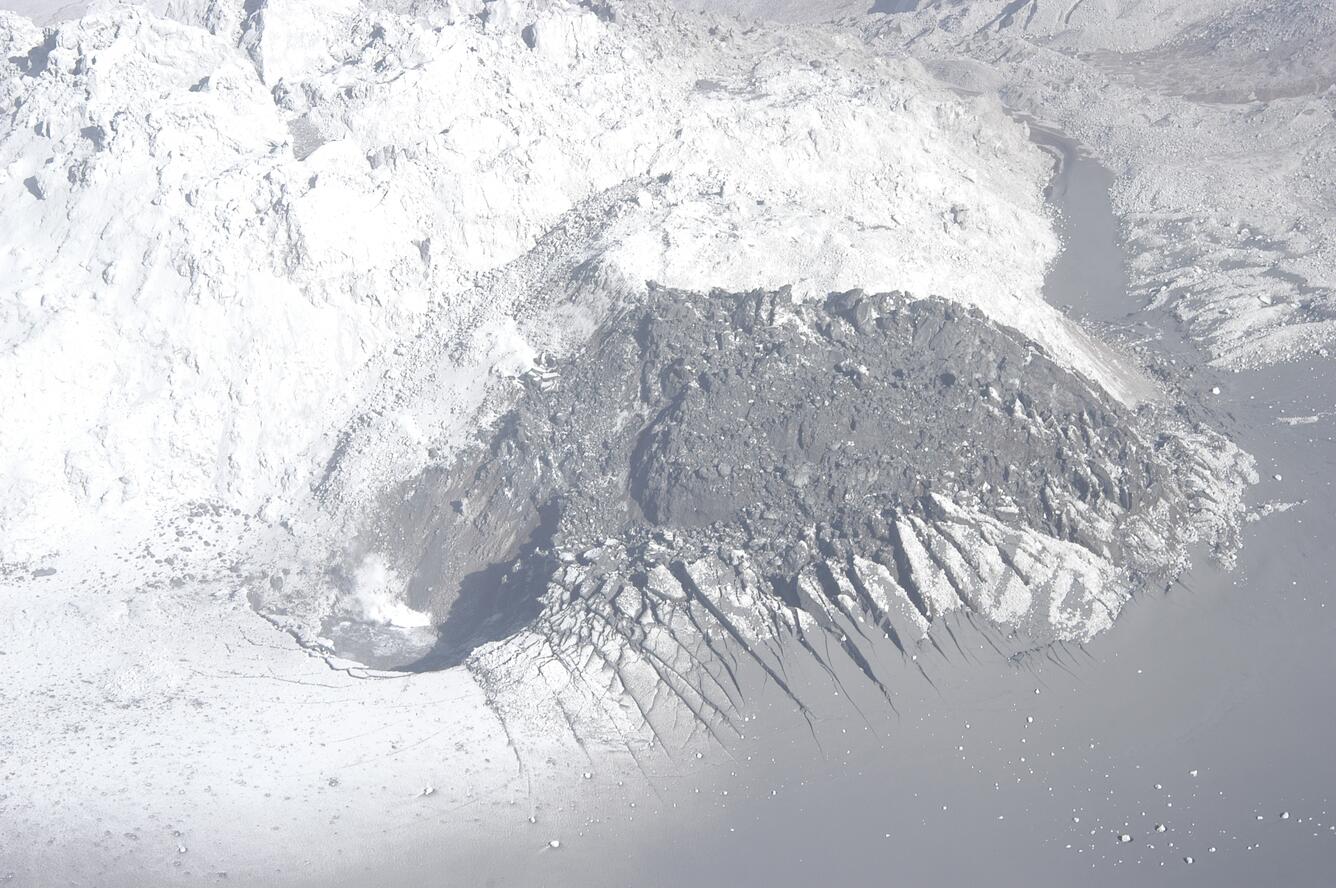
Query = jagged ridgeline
x=739 y=476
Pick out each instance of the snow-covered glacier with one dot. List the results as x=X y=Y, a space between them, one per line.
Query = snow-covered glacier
x=412 y=403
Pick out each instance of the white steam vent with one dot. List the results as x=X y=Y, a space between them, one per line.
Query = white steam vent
x=375 y=596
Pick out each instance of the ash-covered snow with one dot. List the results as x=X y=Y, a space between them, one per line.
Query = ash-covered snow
x=746 y=471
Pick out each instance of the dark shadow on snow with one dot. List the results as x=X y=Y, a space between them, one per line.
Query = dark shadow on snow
x=497 y=601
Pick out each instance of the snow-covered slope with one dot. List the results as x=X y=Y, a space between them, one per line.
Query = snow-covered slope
x=1217 y=121
x=269 y=270
x=209 y=227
